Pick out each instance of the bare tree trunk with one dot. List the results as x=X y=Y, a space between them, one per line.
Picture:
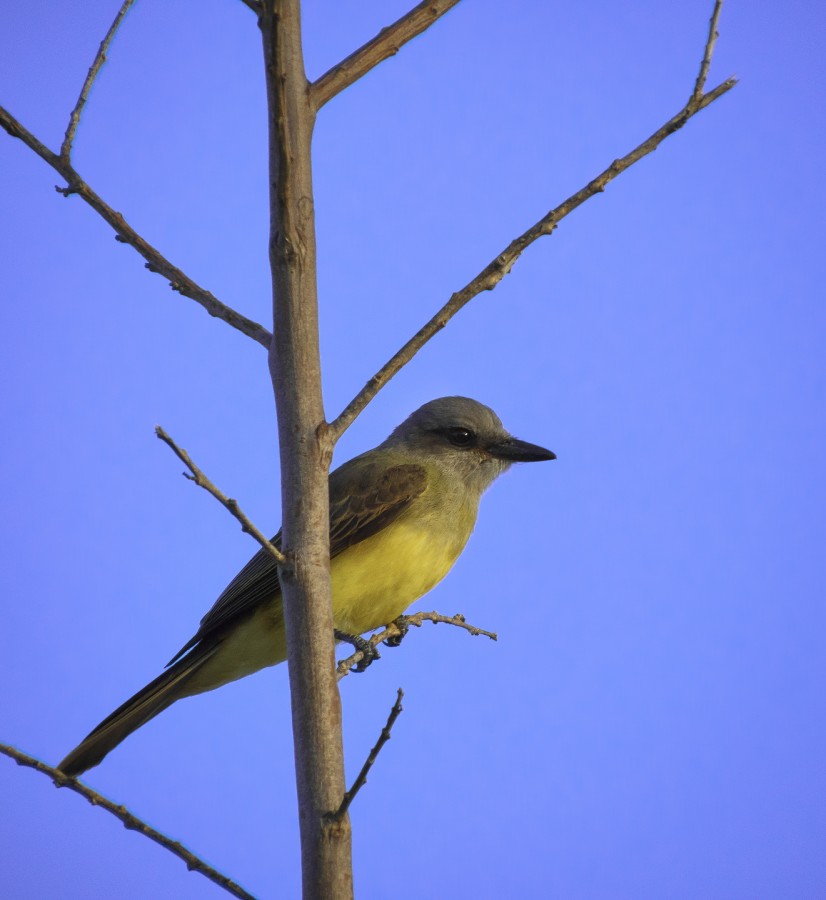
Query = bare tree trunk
x=306 y=439
x=305 y=459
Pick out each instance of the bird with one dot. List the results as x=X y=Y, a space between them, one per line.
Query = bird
x=400 y=516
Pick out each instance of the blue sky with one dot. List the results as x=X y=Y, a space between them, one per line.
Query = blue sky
x=650 y=723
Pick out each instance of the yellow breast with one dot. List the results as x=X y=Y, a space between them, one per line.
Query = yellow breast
x=376 y=580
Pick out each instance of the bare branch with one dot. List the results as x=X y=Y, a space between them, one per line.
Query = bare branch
x=705 y=63
x=393 y=631
x=97 y=64
x=385 y=44
x=295 y=368
x=361 y=780
x=124 y=233
x=496 y=270
x=232 y=505
x=130 y=821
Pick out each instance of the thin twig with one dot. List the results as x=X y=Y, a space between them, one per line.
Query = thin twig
x=386 y=43
x=130 y=821
x=124 y=233
x=705 y=63
x=392 y=630
x=496 y=270
x=361 y=780
x=232 y=505
x=97 y=64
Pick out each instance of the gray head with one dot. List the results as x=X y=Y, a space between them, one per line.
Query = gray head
x=465 y=436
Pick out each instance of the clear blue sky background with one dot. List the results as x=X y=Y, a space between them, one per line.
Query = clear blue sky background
x=651 y=722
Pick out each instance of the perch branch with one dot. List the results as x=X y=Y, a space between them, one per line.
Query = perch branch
x=232 y=505
x=97 y=65
x=496 y=270
x=361 y=780
x=385 y=44
x=392 y=630
x=124 y=233
x=130 y=821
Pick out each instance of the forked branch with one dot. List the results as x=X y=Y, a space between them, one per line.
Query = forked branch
x=130 y=821
x=705 y=62
x=496 y=270
x=385 y=44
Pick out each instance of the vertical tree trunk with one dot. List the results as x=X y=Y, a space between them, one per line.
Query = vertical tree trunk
x=305 y=458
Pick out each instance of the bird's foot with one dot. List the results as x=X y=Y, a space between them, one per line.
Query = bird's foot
x=363 y=646
x=403 y=624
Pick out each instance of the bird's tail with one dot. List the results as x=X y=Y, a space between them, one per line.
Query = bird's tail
x=145 y=705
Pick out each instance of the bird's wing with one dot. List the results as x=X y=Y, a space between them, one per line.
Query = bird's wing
x=256 y=583
x=365 y=497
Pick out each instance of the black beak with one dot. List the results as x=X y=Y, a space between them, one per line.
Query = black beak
x=512 y=450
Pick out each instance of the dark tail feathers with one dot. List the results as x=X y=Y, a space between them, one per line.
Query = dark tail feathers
x=145 y=705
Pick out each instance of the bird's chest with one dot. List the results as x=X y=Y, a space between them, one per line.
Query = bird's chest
x=376 y=580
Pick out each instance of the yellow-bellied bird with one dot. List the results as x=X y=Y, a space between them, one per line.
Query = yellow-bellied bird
x=400 y=515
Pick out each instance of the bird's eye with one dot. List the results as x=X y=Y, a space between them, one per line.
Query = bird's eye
x=461 y=437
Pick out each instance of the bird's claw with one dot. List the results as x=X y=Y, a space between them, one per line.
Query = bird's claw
x=363 y=646
x=403 y=624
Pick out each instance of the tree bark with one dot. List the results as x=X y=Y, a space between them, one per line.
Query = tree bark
x=306 y=451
